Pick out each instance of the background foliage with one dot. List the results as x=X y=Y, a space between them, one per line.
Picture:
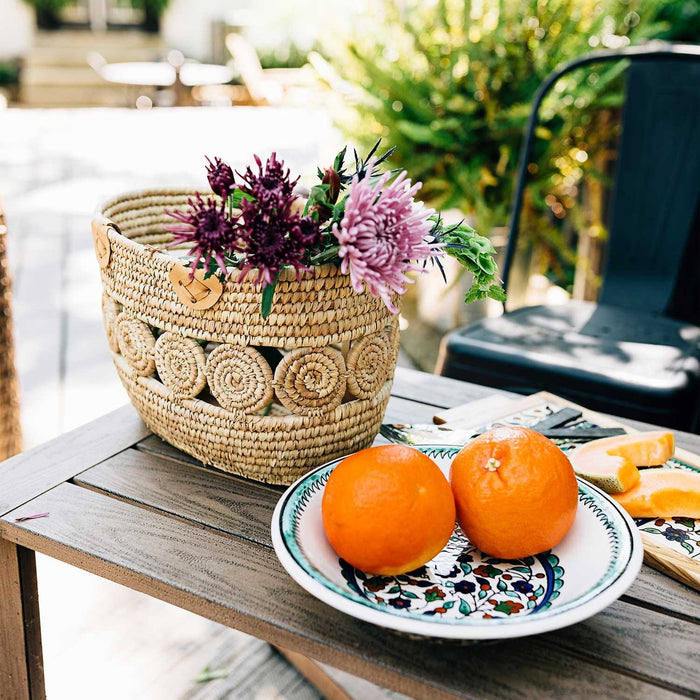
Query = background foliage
x=450 y=84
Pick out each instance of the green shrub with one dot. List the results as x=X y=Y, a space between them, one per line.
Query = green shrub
x=450 y=83
x=9 y=73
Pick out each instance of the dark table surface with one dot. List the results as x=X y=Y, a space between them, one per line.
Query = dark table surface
x=128 y=507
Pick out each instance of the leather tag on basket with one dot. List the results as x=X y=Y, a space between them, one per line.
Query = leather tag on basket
x=196 y=293
x=103 y=250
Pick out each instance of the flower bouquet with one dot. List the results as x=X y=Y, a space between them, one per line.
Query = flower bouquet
x=255 y=327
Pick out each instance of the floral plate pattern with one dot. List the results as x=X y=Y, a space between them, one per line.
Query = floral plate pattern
x=462 y=593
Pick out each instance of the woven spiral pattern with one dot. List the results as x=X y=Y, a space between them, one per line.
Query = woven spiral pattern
x=273 y=449
x=110 y=311
x=311 y=381
x=368 y=365
x=239 y=378
x=180 y=363
x=136 y=343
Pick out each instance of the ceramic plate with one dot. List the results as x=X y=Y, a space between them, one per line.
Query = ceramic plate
x=462 y=593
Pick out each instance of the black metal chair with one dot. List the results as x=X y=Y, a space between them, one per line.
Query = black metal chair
x=636 y=352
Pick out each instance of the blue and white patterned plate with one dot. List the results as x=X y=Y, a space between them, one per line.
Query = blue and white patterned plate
x=462 y=593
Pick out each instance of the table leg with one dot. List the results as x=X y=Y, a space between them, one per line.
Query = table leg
x=315 y=675
x=21 y=661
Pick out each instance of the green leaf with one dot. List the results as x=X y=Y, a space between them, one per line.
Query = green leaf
x=237 y=196
x=268 y=294
x=207 y=674
x=408 y=594
x=521 y=569
x=325 y=255
x=496 y=292
x=464 y=608
x=424 y=134
x=501 y=586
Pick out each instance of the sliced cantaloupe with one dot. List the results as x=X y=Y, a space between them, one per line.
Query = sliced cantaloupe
x=663 y=493
x=611 y=463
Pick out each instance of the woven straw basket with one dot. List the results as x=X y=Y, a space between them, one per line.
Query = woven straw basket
x=268 y=398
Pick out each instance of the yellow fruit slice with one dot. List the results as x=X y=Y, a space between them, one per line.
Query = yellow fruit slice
x=611 y=463
x=663 y=493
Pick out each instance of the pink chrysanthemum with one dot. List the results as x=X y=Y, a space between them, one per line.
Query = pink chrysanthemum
x=382 y=235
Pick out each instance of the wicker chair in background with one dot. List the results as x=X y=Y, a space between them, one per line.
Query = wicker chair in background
x=10 y=433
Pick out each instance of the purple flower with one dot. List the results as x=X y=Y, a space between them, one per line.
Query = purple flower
x=220 y=177
x=208 y=228
x=271 y=233
x=381 y=233
x=675 y=534
x=271 y=185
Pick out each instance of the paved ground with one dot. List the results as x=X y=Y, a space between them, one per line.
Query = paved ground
x=55 y=168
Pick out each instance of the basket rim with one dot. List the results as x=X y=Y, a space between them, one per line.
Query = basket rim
x=287 y=274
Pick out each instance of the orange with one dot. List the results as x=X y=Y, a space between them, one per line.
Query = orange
x=388 y=509
x=516 y=492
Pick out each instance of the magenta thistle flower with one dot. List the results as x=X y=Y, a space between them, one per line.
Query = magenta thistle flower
x=208 y=228
x=271 y=185
x=220 y=176
x=271 y=234
x=382 y=235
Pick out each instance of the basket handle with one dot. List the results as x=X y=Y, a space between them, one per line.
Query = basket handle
x=100 y=236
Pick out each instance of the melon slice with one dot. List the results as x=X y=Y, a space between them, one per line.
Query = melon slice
x=663 y=493
x=611 y=463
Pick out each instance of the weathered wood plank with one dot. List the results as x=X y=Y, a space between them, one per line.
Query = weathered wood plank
x=219 y=501
x=441 y=392
x=639 y=641
x=21 y=664
x=656 y=591
x=255 y=670
x=43 y=467
x=241 y=584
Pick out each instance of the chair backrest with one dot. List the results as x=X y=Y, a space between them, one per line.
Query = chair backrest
x=657 y=182
x=656 y=190
x=247 y=63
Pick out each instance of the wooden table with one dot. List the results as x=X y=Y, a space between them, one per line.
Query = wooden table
x=124 y=505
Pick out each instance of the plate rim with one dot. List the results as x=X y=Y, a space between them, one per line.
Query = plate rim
x=497 y=628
